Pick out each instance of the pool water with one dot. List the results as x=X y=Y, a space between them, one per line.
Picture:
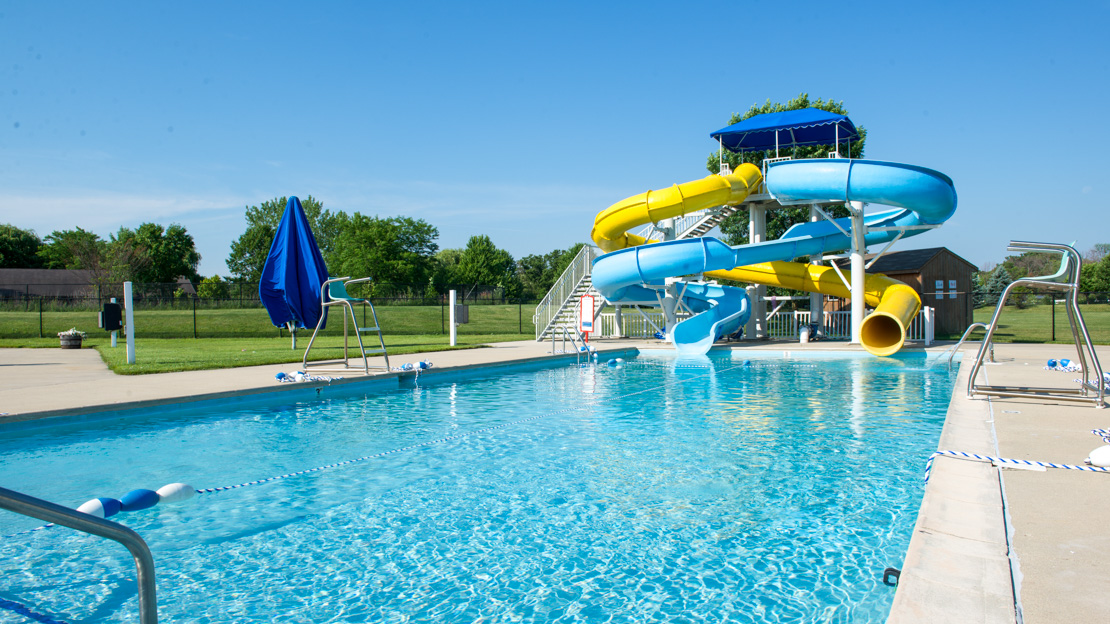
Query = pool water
x=663 y=490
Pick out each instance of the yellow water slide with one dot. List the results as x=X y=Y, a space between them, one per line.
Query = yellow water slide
x=883 y=332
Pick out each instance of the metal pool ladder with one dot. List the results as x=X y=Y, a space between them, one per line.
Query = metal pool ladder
x=1065 y=280
x=579 y=351
x=51 y=512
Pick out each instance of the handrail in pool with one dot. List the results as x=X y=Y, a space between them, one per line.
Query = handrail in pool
x=52 y=512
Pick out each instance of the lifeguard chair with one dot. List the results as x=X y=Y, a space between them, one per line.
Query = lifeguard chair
x=333 y=292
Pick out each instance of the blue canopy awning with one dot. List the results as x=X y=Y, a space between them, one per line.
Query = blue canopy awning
x=294 y=272
x=807 y=126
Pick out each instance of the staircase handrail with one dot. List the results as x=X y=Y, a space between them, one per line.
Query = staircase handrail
x=563 y=288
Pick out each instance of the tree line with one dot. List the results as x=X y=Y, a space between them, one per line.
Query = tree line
x=400 y=253
x=988 y=284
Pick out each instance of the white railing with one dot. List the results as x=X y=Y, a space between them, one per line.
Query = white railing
x=835 y=325
x=564 y=287
x=633 y=324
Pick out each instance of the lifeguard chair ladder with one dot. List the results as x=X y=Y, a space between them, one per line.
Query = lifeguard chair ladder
x=1066 y=279
x=334 y=293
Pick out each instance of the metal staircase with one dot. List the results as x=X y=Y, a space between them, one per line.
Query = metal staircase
x=559 y=308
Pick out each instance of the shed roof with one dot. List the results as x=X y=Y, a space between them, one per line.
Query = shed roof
x=910 y=260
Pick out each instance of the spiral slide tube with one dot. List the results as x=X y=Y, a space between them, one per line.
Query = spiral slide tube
x=924 y=196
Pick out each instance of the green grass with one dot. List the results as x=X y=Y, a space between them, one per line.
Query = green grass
x=164 y=355
x=228 y=338
x=1034 y=324
x=254 y=322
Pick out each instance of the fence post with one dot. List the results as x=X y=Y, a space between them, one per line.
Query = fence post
x=520 y=317
x=194 y=318
x=40 y=316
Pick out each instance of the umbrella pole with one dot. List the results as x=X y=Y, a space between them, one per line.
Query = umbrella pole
x=292 y=332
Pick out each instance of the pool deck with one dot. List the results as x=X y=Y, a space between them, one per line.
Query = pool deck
x=982 y=531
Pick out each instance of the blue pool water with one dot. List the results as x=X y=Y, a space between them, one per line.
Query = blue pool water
x=664 y=490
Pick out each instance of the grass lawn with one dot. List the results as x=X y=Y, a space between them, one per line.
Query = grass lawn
x=1034 y=324
x=254 y=322
x=163 y=355
x=227 y=338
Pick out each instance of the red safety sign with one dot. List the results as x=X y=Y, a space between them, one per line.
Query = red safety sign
x=586 y=314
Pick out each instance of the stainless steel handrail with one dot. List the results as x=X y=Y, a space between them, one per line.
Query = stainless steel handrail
x=574 y=343
x=51 y=512
x=1066 y=280
x=561 y=291
x=967 y=332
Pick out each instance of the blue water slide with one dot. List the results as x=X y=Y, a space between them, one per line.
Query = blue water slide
x=922 y=197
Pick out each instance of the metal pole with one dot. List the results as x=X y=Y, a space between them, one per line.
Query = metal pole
x=40 y=316
x=1053 y=317
x=129 y=304
x=194 y=318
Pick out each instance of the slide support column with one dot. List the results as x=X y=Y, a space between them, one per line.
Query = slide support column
x=859 y=248
x=672 y=285
x=816 y=300
x=757 y=233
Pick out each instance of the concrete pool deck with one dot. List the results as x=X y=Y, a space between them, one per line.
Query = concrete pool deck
x=982 y=531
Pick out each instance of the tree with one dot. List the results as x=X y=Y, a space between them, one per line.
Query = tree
x=1094 y=277
x=537 y=274
x=1097 y=253
x=213 y=288
x=482 y=263
x=735 y=227
x=249 y=251
x=445 y=267
x=1032 y=263
x=18 y=248
x=169 y=253
x=397 y=252
x=996 y=285
x=978 y=290
x=72 y=249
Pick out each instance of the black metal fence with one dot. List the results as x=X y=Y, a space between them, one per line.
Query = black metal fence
x=234 y=310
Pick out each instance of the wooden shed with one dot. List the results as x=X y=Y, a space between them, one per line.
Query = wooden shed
x=942 y=280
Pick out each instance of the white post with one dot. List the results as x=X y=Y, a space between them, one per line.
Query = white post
x=671 y=285
x=757 y=233
x=859 y=248
x=930 y=325
x=816 y=300
x=454 y=327
x=114 y=331
x=128 y=301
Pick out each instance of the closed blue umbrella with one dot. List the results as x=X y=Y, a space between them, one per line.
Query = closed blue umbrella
x=293 y=273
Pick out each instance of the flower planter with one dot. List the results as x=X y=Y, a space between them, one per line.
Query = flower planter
x=70 y=342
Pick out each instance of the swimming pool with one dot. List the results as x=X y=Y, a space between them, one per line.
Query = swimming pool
x=662 y=490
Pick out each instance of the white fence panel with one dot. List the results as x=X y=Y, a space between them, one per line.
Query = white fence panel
x=835 y=325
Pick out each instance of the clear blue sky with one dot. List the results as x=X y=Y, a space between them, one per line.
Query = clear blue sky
x=522 y=120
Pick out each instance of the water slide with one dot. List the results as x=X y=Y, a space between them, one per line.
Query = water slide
x=633 y=271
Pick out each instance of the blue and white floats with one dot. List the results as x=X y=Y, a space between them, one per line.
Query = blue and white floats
x=138 y=499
